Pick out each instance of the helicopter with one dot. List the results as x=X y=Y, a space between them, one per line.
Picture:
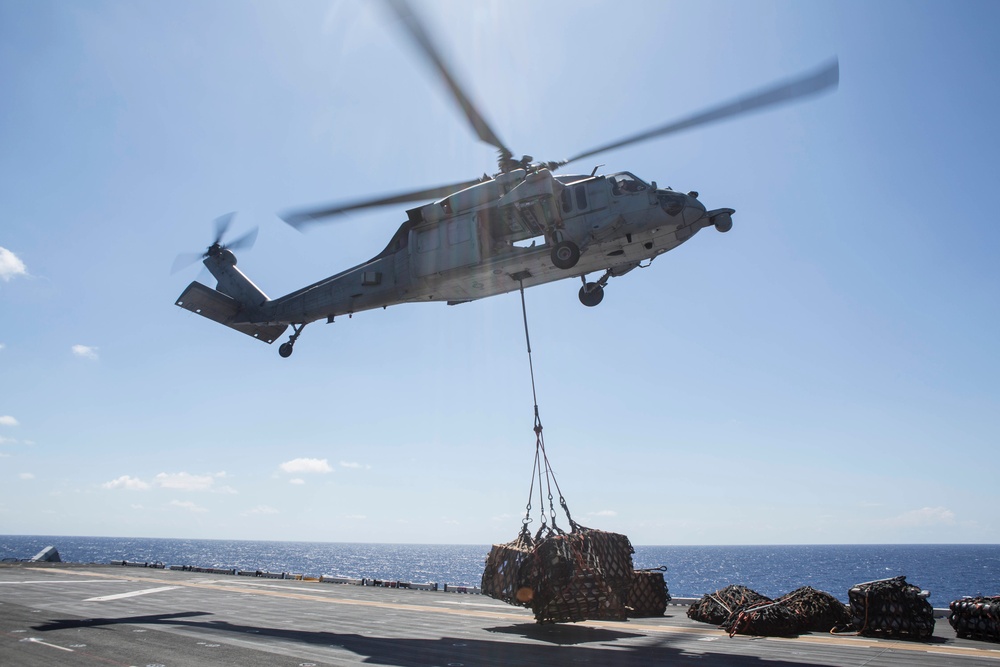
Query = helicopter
x=522 y=226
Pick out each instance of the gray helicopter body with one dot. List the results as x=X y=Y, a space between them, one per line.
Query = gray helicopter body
x=488 y=239
x=522 y=227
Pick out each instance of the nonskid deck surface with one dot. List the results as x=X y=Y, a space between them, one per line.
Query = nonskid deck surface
x=108 y=615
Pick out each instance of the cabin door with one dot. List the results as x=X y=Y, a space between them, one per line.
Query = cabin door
x=449 y=245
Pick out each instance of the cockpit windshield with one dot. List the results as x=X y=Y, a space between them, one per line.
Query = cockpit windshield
x=625 y=183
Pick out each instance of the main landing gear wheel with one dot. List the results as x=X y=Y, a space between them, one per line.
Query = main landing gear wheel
x=591 y=294
x=286 y=349
x=565 y=255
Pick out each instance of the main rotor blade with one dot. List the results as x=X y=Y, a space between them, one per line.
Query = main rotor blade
x=828 y=76
x=423 y=41
x=299 y=219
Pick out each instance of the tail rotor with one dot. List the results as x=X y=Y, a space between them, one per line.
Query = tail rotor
x=222 y=223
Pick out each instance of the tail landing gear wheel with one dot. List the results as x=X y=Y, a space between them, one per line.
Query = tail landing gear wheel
x=285 y=350
x=591 y=294
x=565 y=255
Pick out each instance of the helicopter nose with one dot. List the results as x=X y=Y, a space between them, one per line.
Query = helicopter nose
x=694 y=210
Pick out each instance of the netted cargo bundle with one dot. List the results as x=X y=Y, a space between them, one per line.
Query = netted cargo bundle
x=817 y=610
x=612 y=552
x=648 y=595
x=504 y=577
x=976 y=617
x=891 y=608
x=717 y=607
x=584 y=596
x=562 y=577
x=764 y=619
x=568 y=582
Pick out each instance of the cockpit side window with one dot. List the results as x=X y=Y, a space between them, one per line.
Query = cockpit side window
x=625 y=183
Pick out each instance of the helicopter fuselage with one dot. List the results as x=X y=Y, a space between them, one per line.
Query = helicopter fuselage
x=489 y=239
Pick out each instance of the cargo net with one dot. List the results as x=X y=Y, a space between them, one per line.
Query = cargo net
x=563 y=576
x=648 y=595
x=504 y=577
x=891 y=608
x=817 y=610
x=976 y=617
x=741 y=610
x=717 y=607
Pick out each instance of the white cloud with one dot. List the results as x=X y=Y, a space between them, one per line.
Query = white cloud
x=260 y=509
x=306 y=465
x=11 y=265
x=296 y=480
x=126 y=482
x=185 y=481
x=85 y=351
x=187 y=505
x=7 y=420
x=7 y=441
x=354 y=466
x=925 y=516
x=2 y=346
x=26 y=475
x=4 y=456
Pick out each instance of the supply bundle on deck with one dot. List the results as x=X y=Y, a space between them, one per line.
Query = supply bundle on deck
x=563 y=576
x=741 y=610
x=976 y=617
x=568 y=576
x=891 y=608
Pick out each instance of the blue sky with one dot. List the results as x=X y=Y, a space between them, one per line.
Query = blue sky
x=826 y=372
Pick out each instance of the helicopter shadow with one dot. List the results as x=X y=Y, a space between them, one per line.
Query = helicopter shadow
x=529 y=645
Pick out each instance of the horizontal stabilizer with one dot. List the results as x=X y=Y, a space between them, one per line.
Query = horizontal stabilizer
x=223 y=309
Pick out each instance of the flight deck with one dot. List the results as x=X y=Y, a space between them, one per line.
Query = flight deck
x=68 y=614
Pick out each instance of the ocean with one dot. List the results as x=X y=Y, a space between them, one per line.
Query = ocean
x=949 y=572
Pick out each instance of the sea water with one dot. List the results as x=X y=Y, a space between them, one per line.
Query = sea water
x=947 y=571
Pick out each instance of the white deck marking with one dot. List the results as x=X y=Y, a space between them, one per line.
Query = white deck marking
x=68 y=581
x=119 y=596
x=36 y=640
